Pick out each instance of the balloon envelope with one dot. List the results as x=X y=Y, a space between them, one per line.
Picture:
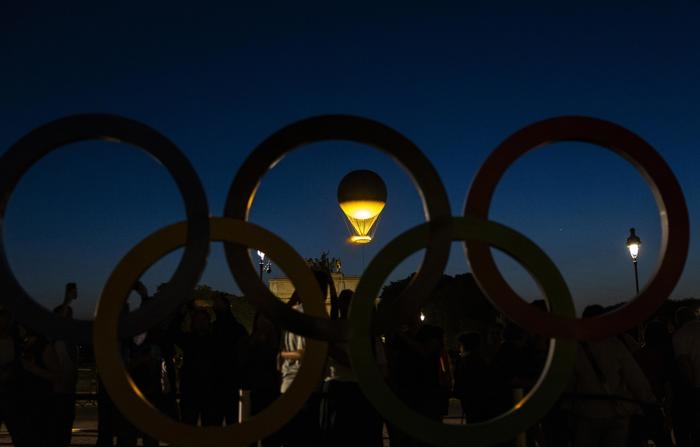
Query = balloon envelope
x=362 y=209
x=362 y=196
x=362 y=185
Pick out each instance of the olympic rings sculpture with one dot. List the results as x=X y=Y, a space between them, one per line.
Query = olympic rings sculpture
x=436 y=235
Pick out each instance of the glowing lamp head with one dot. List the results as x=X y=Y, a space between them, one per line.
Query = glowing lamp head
x=633 y=244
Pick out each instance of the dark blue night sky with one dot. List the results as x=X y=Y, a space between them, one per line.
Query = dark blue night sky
x=455 y=79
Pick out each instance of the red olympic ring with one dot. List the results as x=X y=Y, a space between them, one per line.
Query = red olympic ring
x=675 y=232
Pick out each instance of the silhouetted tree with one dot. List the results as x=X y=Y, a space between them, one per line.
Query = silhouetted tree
x=324 y=263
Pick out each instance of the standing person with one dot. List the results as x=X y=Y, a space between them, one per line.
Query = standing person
x=110 y=422
x=608 y=382
x=160 y=337
x=513 y=371
x=414 y=354
x=686 y=347
x=210 y=374
x=348 y=418
x=431 y=396
x=304 y=429
x=228 y=335
x=301 y=427
x=197 y=389
x=471 y=378
x=9 y=371
x=40 y=372
x=292 y=349
x=261 y=376
x=65 y=384
x=657 y=361
x=402 y=351
x=143 y=360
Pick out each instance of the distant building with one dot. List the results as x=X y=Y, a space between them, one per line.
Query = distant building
x=283 y=287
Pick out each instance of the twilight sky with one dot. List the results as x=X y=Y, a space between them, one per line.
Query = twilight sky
x=217 y=79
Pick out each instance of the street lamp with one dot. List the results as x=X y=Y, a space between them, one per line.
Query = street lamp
x=633 y=244
x=265 y=265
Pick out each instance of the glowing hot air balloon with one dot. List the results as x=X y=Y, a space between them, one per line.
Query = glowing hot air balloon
x=362 y=196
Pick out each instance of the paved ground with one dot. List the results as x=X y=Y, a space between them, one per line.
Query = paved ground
x=85 y=427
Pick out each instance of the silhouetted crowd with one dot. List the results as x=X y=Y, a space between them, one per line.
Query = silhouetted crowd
x=636 y=389
x=640 y=388
x=37 y=381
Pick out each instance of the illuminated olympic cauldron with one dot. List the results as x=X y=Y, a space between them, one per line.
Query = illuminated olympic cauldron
x=362 y=196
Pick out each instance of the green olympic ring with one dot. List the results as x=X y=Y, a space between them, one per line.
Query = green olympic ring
x=547 y=390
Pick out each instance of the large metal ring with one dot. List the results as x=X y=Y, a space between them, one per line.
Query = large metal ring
x=436 y=236
x=43 y=140
x=125 y=393
x=535 y=404
x=672 y=212
x=349 y=128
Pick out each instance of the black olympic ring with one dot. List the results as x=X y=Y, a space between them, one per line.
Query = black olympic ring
x=41 y=141
x=360 y=130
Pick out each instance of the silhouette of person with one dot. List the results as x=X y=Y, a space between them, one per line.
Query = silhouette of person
x=159 y=336
x=414 y=354
x=40 y=371
x=686 y=342
x=144 y=366
x=292 y=349
x=261 y=375
x=110 y=422
x=608 y=383
x=509 y=369
x=10 y=350
x=471 y=377
x=228 y=335
x=197 y=388
x=143 y=359
x=65 y=384
x=304 y=429
x=209 y=378
x=348 y=418
x=657 y=361
x=402 y=356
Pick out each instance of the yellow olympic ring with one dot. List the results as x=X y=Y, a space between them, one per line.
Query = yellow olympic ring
x=557 y=370
x=126 y=394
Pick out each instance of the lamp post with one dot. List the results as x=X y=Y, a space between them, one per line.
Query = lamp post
x=633 y=244
x=265 y=265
